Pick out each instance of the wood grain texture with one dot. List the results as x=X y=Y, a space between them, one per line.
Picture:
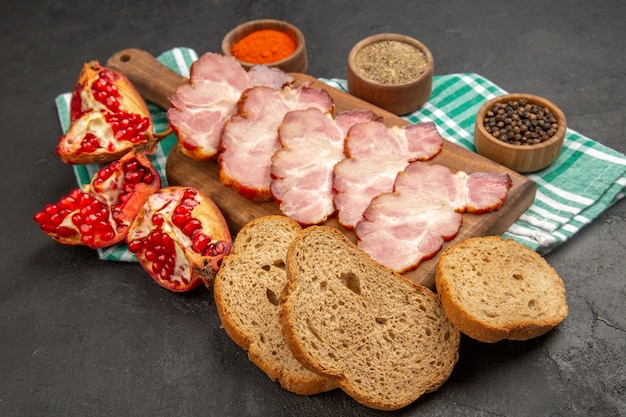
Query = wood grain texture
x=153 y=81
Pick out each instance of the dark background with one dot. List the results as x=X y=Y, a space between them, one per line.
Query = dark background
x=84 y=337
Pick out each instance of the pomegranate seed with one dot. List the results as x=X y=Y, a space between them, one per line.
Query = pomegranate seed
x=150 y=255
x=135 y=246
x=133 y=177
x=182 y=209
x=89 y=144
x=88 y=240
x=131 y=165
x=40 y=217
x=168 y=243
x=65 y=232
x=200 y=241
x=154 y=238
x=191 y=226
x=157 y=220
x=108 y=235
x=148 y=177
x=112 y=102
x=190 y=193
x=179 y=220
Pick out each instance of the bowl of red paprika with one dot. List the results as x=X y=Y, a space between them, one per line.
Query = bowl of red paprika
x=270 y=42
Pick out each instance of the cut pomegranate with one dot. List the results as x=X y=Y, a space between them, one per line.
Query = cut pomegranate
x=180 y=238
x=100 y=214
x=108 y=118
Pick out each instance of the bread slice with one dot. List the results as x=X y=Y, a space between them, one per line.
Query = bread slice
x=385 y=339
x=247 y=289
x=494 y=289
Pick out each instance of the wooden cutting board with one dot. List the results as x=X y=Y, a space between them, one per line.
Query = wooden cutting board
x=157 y=83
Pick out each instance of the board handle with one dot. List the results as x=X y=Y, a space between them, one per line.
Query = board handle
x=154 y=81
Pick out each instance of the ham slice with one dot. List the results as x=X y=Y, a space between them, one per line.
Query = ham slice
x=312 y=143
x=250 y=137
x=401 y=228
x=201 y=107
x=375 y=155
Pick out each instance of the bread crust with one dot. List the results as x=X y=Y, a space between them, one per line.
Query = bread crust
x=249 y=275
x=494 y=289
x=385 y=339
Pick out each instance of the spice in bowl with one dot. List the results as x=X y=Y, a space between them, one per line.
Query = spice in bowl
x=392 y=71
x=523 y=132
x=519 y=122
x=269 y=42
x=264 y=46
x=390 y=62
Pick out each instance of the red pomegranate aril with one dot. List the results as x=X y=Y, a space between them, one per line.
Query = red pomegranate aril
x=133 y=177
x=65 y=232
x=148 y=178
x=157 y=220
x=89 y=144
x=135 y=246
x=191 y=226
x=180 y=219
x=150 y=255
x=200 y=241
x=76 y=110
x=167 y=242
x=112 y=102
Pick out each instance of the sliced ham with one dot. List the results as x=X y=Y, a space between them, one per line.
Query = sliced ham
x=250 y=137
x=401 y=228
x=375 y=155
x=201 y=107
x=312 y=143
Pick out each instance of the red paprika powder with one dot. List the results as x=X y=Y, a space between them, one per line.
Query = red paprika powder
x=264 y=46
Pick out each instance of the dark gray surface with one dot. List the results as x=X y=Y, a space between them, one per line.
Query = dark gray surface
x=83 y=337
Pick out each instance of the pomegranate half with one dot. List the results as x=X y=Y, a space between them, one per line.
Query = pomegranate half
x=180 y=238
x=108 y=118
x=100 y=214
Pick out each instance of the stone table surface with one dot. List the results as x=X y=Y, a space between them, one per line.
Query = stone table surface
x=84 y=337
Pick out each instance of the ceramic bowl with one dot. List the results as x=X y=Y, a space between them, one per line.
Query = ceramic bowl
x=520 y=158
x=296 y=62
x=397 y=93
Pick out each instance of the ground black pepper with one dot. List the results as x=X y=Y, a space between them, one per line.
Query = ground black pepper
x=519 y=122
x=390 y=62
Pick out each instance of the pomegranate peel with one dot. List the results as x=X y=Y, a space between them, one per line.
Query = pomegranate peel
x=180 y=238
x=108 y=118
x=100 y=214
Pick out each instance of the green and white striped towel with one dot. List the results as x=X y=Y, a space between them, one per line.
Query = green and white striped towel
x=586 y=178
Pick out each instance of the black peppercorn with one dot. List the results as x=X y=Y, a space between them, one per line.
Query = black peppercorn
x=520 y=122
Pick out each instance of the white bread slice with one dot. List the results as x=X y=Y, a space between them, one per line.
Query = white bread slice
x=247 y=289
x=494 y=289
x=385 y=339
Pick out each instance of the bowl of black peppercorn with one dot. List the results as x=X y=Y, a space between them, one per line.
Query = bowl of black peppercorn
x=523 y=132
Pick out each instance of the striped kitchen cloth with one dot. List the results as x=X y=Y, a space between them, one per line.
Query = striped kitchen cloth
x=586 y=178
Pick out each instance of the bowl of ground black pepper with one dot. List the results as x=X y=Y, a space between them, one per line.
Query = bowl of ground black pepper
x=523 y=132
x=270 y=42
x=392 y=71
